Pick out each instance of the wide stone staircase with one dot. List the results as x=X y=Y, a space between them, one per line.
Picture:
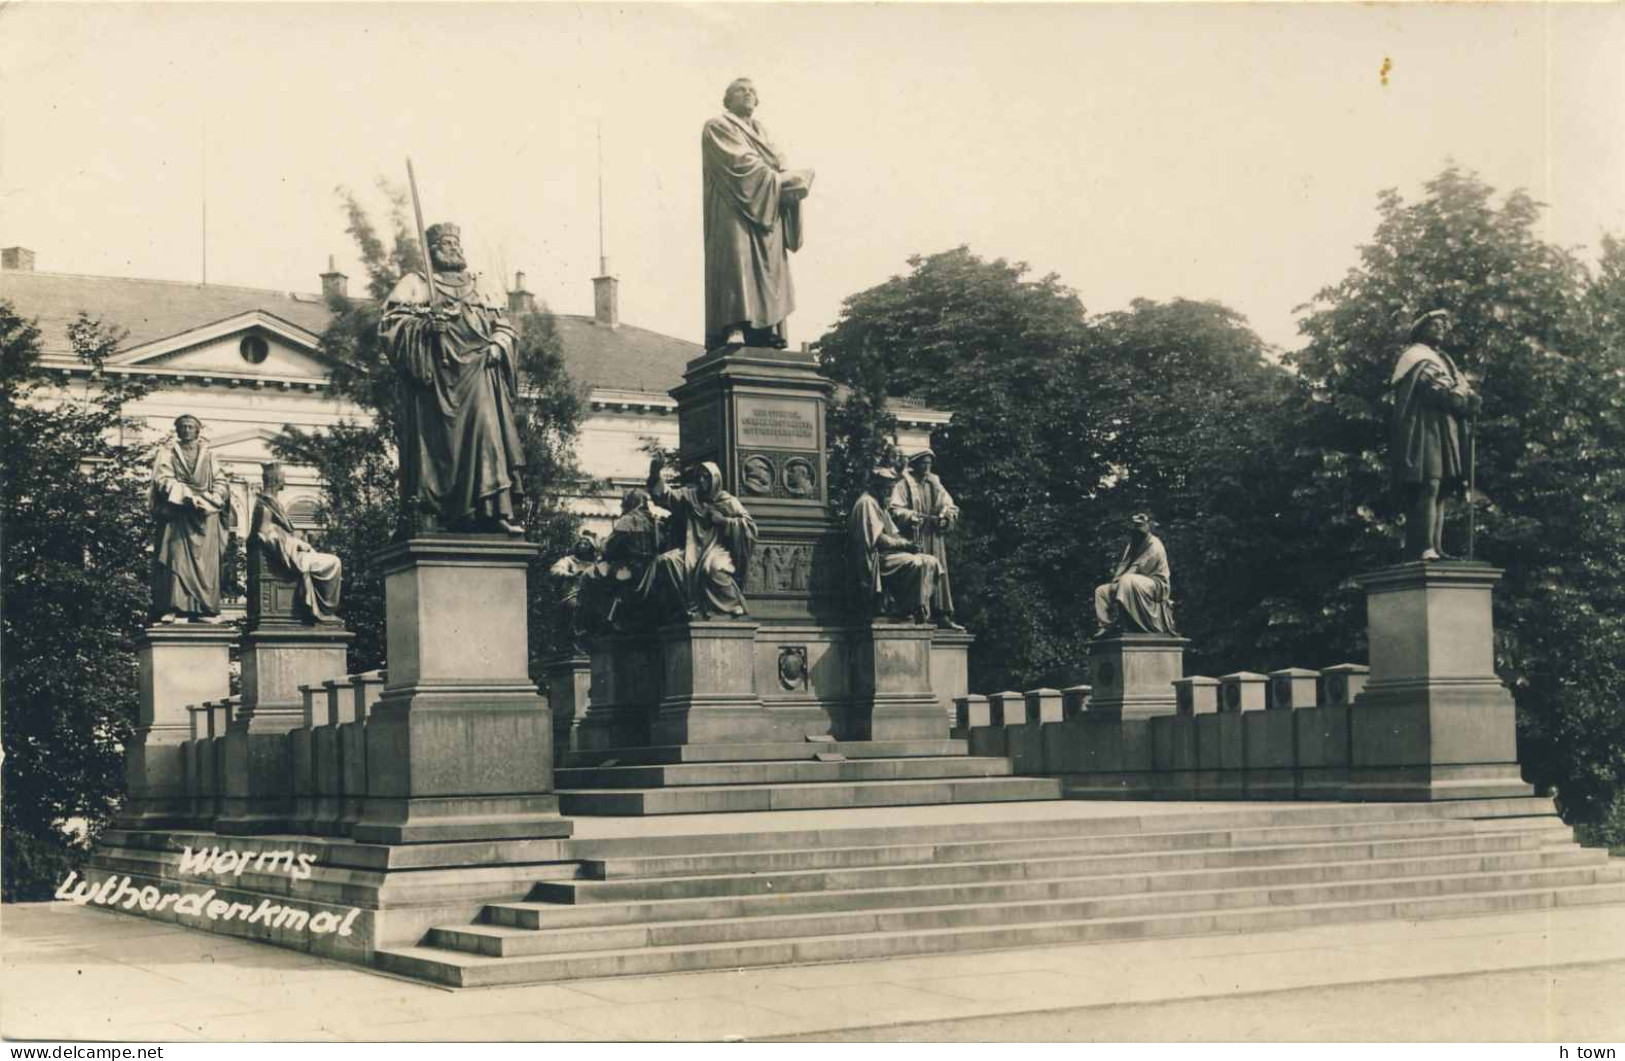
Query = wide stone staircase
x=803 y=775
x=879 y=883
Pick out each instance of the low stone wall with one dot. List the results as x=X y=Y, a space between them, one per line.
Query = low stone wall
x=1282 y=736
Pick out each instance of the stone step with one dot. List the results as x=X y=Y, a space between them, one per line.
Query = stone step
x=780 y=772
x=802 y=750
x=703 y=799
x=1082 y=880
x=897 y=854
x=1109 y=896
x=1181 y=894
x=471 y=970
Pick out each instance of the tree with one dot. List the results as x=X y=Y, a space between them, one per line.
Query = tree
x=77 y=537
x=1544 y=338
x=358 y=461
x=1063 y=426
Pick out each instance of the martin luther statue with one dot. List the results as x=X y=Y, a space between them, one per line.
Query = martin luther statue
x=454 y=353
x=752 y=223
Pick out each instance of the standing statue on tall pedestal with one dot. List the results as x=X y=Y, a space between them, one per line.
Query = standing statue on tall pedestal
x=1137 y=598
x=892 y=575
x=454 y=353
x=752 y=223
x=317 y=574
x=923 y=509
x=190 y=497
x=1428 y=454
x=702 y=575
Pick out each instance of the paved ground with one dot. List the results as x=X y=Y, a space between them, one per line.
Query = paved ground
x=80 y=973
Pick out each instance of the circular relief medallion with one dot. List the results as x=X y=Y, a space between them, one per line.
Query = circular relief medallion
x=758 y=475
x=1105 y=674
x=793 y=667
x=800 y=477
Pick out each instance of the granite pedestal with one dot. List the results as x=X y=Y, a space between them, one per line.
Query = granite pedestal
x=1132 y=675
x=892 y=696
x=709 y=675
x=179 y=664
x=569 y=687
x=1434 y=721
x=460 y=745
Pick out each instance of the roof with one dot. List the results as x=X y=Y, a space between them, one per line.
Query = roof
x=622 y=358
x=148 y=309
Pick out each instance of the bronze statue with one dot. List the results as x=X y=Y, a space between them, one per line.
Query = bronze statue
x=462 y=462
x=752 y=223
x=1136 y=599
x=1428 y=452
x=190 y=497
x=922 y=507
x=573 y=575
x=317 y=574
x=629 y=556
x=714 y=540
x=892 y=576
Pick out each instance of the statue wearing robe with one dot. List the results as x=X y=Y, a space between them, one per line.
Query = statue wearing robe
x=1430 y=396
x=921 y=506
x=752 y=223
x=1137 y=597
x=462 y=462
x=885 y=564
x=318 y=574
x=189 y=498
x=717 y=535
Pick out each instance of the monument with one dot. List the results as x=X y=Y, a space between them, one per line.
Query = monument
x=922 y=506
x=1136 y=654
x=1430 y=452
x=189 y=495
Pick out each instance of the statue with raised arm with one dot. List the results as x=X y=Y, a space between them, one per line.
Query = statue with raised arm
x=453 y=350
x=713 y=539
x=317 y=574
x=1427 y=453
x=752 y=223
x=190 y=497
x=1137 y=598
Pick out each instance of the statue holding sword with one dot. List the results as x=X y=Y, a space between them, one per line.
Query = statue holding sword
x=454 y=354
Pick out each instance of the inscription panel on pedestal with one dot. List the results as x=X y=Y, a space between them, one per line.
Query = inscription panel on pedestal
x=776 y=423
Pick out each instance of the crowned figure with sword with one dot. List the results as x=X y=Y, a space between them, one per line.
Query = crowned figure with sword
x=454 y=354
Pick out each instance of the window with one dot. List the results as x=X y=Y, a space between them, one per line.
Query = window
x=253 y=349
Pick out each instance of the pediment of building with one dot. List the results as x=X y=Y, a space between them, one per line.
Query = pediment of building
x=251 y=345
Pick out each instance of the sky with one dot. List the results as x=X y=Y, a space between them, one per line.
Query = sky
x=1212 y=151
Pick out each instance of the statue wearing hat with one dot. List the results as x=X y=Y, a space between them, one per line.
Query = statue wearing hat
x=1427 y=453
x=891 y=574
x=1137 y=599
x=923 y=510
x=190 y=498
x=453 y=350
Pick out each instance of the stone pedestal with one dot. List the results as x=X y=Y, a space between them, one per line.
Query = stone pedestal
x=277 y=659
x=569 y=683
x=950 y=667
x=709 y=683
x=356 y=700
x=179 y=664
x=891 y=686
x=1434 y=721
x=460 y=746
x=1132 y=675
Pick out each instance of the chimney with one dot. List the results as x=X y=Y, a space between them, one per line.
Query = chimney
x=334 y=283
x=520 y=301
x=19 y=258
x=606 y=301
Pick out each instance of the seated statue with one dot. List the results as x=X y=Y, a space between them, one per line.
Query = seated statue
x=892 y=576
x=316 y=574
x=700 y=576
x=1137 y=598
x=573 y=574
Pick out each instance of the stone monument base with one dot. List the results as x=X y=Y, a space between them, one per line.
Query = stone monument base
x=1132 y=674
x=460 y=745
x=710 y=685
x=891 y=668
x=1433 y=721
x=179 y=664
